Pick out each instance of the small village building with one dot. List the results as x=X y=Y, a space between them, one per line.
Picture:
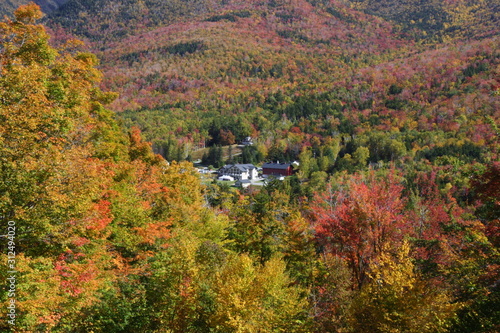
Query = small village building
x=204 y=170
x=239 y=171
x=277 y=169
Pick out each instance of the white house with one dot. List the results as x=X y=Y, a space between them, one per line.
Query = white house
x=239 y=171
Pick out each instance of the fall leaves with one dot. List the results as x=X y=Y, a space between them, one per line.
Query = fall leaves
x=113 y=238
x=102 y=220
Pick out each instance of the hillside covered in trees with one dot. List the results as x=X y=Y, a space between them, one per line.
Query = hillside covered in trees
x=285 y=71
x=389 y=224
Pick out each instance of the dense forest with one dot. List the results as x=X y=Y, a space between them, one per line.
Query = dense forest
x=390 y=222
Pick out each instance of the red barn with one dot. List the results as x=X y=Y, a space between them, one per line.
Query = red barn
x=277 y=169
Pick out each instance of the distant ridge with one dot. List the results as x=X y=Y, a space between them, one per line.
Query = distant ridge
x=49 y=6
x=7 y=7
x=107 y=20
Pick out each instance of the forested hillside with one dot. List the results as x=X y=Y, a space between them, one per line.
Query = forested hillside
x=290 y=71
x=389 y=223
x=201 y=72
x=441 y=20
x=103 y=20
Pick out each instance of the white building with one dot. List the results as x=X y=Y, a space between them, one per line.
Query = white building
x=239 y=171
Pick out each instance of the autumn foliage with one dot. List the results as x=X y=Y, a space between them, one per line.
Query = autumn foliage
x=388 y=224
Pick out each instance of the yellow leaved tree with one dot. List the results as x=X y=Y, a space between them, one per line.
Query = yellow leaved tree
x=397 y=299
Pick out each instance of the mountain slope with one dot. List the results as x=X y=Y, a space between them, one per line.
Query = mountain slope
x=264 y=68
x=438 y=19
x=244 y=48
x=108 y=20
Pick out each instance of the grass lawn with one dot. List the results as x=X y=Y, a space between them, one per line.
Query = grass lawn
x=198 y=154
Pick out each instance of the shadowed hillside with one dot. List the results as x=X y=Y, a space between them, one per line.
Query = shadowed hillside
x=7 y=7
x=432 y=19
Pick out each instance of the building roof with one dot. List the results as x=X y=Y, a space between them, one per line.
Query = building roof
x=280 y=166
x=245 y=166
x=241 y=167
